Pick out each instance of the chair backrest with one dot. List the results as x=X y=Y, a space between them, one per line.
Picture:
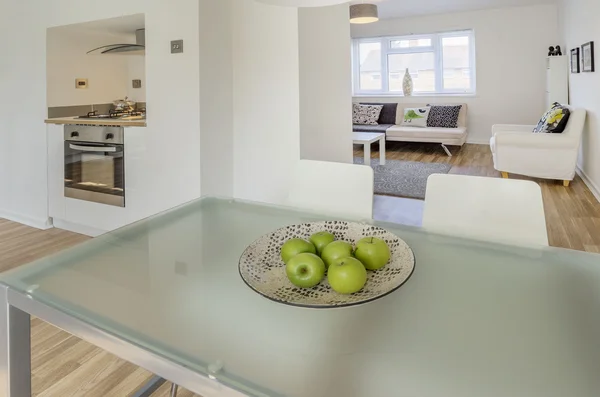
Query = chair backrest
x=333 y=188
x=492 y=209
x=576 y=123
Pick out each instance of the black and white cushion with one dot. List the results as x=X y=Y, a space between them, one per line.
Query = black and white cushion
x=443 y=116
x=365 y=114
x=554 y=121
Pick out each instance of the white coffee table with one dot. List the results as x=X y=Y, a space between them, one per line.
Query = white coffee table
x=366 y=139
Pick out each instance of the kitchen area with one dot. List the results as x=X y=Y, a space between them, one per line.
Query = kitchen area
x=96 y=92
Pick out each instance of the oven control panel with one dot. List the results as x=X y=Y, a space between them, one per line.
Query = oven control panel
x=99 y=134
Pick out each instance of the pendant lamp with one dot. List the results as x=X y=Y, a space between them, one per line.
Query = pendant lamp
x=303 y=3
x=363 y=13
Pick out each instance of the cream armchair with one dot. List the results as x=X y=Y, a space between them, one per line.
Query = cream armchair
x=516 y=149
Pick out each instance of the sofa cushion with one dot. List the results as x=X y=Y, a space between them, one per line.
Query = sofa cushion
x=366 y=114
x=388 y=113
x=462 y=116
x=555 y=120
x=371 y=128
x=444 y=116
x=416 y=117
x=399 y=131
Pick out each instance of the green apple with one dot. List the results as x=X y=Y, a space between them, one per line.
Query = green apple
x=321 y=239
x=305 y=270
x=296 y=246
x=347 y=275
x=373 y=252
x=336 y=250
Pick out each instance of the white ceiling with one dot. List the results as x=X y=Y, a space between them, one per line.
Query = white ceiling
x=404 y=8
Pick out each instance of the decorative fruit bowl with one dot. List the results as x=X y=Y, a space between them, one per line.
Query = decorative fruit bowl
x=263 y=270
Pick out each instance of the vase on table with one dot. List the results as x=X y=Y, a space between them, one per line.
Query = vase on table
x=407 y=84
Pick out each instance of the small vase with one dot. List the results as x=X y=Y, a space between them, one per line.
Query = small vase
x=407 y=84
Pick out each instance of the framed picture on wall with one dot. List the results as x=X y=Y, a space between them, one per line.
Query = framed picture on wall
x=575 y=60
x=587 y=57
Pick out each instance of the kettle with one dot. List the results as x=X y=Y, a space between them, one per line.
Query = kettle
x=124 y=105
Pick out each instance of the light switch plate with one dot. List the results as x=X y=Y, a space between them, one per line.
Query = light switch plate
x=81 y=84
x=176 y=46
x=137 y=83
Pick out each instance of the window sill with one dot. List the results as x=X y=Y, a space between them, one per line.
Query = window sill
x=416 y=95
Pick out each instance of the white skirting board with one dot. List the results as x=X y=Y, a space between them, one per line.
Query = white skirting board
x=479 y=141
x=77 y=228
x=38 y=223
x=593 y=188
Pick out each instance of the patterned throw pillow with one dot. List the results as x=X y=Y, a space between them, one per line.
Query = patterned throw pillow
x=554 y=121
x=416 y=117
x=444 y=116
x=365 y=114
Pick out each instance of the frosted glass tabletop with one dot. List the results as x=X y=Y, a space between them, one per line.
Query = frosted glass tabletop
x=475 y=319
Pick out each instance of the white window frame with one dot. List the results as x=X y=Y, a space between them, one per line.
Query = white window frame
x=436 y=48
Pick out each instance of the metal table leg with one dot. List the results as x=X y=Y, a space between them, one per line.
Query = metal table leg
x=153 y=385
x=15 y=349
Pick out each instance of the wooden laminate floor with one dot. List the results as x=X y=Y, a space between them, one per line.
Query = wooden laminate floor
x=63 y=365
x=572 y=213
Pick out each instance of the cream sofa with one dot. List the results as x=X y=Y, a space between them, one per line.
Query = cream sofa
x=517 y=150
x=444 y=136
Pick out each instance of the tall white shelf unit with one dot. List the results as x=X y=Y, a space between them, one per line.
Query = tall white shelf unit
x=557 y=80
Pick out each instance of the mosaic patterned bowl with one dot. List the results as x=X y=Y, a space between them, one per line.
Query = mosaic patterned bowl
x=263 y=270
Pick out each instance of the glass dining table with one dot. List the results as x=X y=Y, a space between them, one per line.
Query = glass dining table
x=475 y=319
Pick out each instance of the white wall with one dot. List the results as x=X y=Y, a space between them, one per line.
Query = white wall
x=511 y=46
x=325 y=84
x=67 y=60
x=136 y=70
x=216 y=97
x=266 y=100
x=172 y=93
x=580 y=24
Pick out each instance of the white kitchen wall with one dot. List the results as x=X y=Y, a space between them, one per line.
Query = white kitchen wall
x=173 y=141
x=216 y=97
x=266 y=100
x=325 y=84
x=67 y=60
x=511 y=47
x=579 y=22
x=136 y=69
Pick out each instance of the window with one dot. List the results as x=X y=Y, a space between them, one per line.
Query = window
x=441 y=63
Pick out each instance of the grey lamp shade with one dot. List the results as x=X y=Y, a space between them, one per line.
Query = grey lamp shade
x=363 y=13
x=303 y=3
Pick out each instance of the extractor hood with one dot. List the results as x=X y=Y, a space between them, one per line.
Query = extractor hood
x=139 y=48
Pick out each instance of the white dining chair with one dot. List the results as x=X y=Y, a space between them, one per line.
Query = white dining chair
x=333 y=188
x=491 y=209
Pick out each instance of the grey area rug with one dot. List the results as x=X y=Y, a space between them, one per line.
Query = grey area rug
x=403 y=178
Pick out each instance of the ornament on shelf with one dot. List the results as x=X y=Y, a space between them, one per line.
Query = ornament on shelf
x=554 y=51
x=407 y=84
x=558 y=51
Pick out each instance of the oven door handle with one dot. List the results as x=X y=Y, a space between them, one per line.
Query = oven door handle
x=93 y=148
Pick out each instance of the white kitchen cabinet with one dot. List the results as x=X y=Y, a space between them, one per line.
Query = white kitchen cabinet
x=557 y=80
x=92 y=218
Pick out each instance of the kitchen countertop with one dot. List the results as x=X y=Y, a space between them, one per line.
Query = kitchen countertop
x=124 y=122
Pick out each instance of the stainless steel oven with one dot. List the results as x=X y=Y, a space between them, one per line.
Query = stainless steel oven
x=95 y=164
